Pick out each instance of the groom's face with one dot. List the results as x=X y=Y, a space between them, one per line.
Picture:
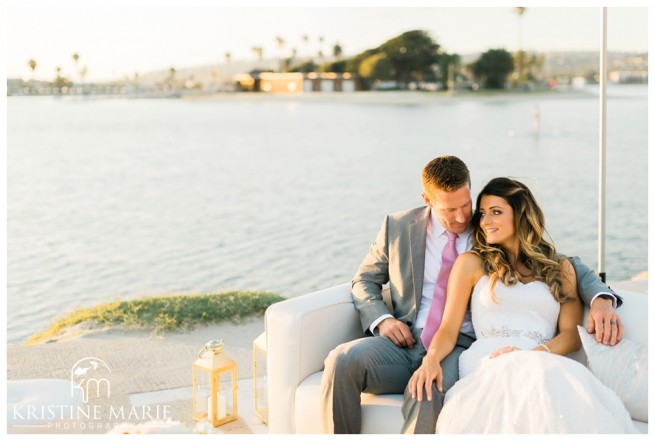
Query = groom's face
x=452 y=208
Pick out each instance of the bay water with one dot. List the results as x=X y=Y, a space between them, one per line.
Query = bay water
x=124 y=198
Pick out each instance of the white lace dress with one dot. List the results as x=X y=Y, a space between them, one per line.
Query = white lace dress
x=525 y=391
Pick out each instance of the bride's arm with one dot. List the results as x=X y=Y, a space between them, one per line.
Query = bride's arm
x=466 y=271
x=570 y=316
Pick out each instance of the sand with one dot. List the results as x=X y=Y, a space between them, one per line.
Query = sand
x=146 y=370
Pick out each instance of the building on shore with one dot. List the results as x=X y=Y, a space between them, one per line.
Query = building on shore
x=295 y=82
x=629 y=77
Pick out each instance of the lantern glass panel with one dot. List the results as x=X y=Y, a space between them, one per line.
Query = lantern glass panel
x=201 y=387
x=227 y=388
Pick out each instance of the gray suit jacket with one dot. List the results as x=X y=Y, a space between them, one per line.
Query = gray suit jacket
x=398 y=256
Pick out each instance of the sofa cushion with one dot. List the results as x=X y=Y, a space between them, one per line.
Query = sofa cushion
x=380 y=413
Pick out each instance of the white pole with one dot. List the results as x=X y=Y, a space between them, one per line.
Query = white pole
x=602 y=146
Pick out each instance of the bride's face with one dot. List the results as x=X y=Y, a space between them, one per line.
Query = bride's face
x=497 y=220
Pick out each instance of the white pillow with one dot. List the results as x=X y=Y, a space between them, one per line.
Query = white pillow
x=623 y=368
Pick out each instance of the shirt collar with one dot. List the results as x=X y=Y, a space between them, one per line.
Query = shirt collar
x=439 y=229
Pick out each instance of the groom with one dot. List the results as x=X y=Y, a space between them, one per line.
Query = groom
x=407 y=254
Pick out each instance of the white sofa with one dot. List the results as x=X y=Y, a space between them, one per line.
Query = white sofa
x=301 y=331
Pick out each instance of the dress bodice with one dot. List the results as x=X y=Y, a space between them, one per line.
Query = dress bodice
x=523 y=315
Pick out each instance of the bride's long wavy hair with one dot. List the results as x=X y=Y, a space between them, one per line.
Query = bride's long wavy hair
x=535 y=252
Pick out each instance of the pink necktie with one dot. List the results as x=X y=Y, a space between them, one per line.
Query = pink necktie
x=435 y=314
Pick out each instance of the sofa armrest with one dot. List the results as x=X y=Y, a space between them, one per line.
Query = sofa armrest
x=300 y=332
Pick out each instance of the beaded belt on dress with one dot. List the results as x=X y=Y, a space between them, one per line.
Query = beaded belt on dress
x=504 y=332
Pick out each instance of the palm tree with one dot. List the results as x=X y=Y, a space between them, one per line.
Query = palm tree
x=280 y=42
x=32 y=64
x=76 y=60
x=259 y=52
x=280 y=46
x=83 y=71
x=171 y=77
x=305 y=41
x=337 y=51
x=520 y=11
x=228 y=63
x=320 y=44
x=60 y=81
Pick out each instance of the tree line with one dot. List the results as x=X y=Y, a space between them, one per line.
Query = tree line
x=415 y=57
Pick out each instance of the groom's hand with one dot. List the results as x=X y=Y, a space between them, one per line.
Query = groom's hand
x=604 y=322
x=396 y=331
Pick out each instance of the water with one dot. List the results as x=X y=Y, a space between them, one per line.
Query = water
x=124 y=198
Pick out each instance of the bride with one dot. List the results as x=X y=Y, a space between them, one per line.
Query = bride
x=525 y=312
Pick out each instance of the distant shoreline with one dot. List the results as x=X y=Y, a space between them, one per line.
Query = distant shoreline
x=402 y=97
x=392 y=96
x=356 y=97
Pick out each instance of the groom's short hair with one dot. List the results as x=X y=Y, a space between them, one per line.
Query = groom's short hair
x=448 y=173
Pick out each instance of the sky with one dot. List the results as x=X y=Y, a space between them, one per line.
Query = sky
x=116 y=39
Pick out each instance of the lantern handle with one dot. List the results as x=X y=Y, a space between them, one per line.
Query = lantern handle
x=214 y=346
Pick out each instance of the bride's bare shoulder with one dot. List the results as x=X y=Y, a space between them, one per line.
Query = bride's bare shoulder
x=471 y=264
x=470 y=259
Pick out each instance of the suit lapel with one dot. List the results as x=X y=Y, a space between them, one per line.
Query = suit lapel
x=417 y=235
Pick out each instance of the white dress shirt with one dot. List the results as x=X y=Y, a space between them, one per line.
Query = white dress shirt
x=435 y=241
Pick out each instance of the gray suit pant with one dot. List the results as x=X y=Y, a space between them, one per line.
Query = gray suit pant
x=375 y=365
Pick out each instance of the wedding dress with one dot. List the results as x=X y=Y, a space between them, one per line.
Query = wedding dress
x=525 y=391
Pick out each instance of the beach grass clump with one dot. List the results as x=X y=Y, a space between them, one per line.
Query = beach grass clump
x=167 y=313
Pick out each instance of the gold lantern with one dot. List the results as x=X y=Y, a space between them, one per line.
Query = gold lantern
x=214 y=385
x=259 y=377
